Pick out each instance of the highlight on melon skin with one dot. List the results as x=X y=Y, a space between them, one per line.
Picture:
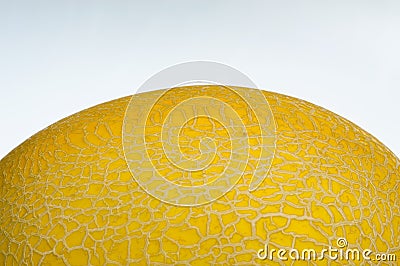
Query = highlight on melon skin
x=93 y=188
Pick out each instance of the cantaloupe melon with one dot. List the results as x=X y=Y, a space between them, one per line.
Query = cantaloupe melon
x=69 y=197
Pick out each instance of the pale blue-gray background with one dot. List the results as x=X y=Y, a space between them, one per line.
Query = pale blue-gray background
x=59 y=57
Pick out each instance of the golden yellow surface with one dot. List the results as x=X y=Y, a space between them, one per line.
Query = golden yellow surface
x=68 y=197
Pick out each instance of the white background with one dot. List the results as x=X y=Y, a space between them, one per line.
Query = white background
x=59 y=57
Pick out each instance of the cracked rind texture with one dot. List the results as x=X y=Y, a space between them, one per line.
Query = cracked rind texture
x=68 y=197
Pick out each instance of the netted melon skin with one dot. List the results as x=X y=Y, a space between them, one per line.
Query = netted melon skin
x=68 y=197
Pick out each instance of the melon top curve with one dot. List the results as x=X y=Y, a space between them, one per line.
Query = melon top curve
x=68 y=197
